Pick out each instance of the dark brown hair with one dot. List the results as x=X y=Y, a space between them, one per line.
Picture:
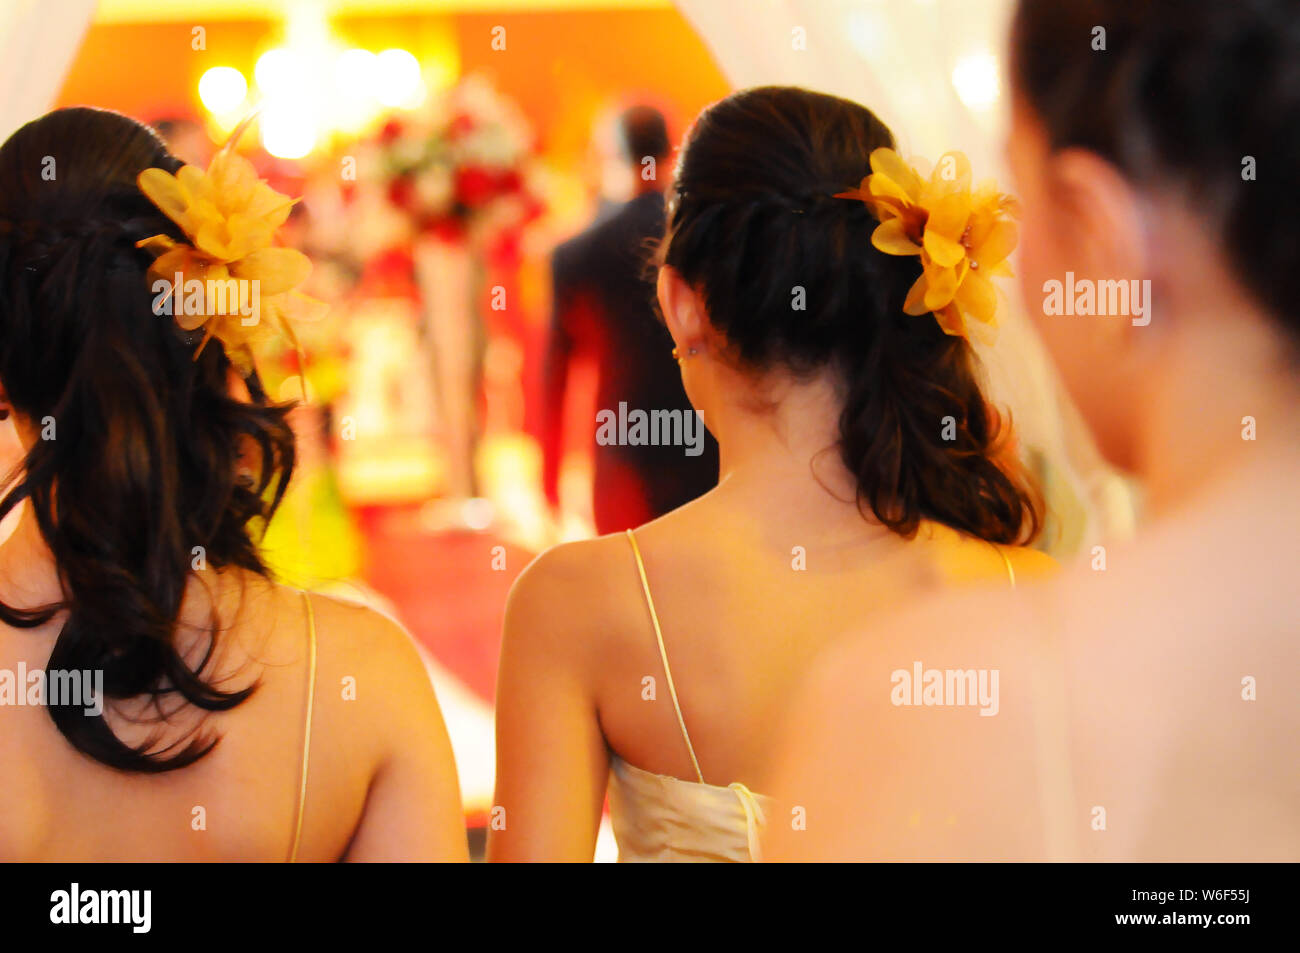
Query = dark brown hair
x=1183 y=95
x=753 y=218
x=149 y=442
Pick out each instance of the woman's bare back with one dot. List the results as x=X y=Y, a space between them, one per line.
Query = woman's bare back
x=375 y=729
x=744 y=607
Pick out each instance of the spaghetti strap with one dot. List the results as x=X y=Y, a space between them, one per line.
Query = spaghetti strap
x=306 y=731
x=1006 y=561
x=663 y=654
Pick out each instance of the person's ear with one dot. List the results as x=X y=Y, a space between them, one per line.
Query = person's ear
x=1100 y=216
x=683 y=310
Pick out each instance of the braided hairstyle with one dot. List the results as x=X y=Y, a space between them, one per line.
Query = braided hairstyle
x=1182 y=96
x=144 y=453
x=752 y=219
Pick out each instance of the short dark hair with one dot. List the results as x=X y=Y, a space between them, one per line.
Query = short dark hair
x=1182 y=95
x=645 y=133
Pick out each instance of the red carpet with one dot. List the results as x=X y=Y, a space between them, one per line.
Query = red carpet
x=444 y=588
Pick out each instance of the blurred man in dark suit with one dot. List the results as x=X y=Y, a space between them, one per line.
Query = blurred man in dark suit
x=604 y=310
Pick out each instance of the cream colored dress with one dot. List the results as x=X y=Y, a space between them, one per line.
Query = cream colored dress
x=661 y=818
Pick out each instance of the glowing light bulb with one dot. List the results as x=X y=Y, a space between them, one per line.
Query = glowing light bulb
x=977 y=80
x=278 y=71
x=287 y=132
x=222 y=89
x=354 y=105
x=397 y=78
x=355 y=72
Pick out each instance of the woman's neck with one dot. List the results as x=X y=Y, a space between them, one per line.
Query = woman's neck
x=1222 y=408
x=779 y=455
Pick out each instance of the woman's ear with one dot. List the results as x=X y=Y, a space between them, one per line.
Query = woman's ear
x=682 y=309
x=1103 y=213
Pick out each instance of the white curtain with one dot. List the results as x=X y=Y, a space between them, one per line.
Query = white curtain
x=38 y=40
x=933 y=70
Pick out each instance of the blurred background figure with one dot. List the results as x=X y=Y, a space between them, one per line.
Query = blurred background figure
x=186 y=139
x=604 y=313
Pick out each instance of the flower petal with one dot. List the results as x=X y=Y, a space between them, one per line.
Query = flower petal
x=883 y=187
x=949 y=216
x=891 y=238
x=944 y=229
x=915 y=303
x=234 y=179
x=157 y=243
x=950 y=320
x=945 y=252
x=889 y=166
x=951 y=173
x=164 y=191
x=998 y=244
x=977 y=297
x=276 y=269
x=942 y=284
x=213 y=239
x=195 y=183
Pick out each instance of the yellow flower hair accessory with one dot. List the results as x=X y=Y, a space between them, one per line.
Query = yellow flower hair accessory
x=230 y=217
x=963 y=236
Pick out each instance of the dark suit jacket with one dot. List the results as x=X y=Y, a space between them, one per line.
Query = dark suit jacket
x=604 y=307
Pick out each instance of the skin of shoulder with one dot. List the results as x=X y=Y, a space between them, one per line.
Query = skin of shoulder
x=563 y=593
x=863 y=772
x=1031 y=563
x=375 y=699
x=967 y=559
x=552 y=760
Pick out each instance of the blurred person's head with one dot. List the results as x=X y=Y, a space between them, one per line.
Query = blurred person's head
x=138 y=454
x=186 y=139
x=753 y=221
x=644 y=135
x=1162 y=142
x=632 y=151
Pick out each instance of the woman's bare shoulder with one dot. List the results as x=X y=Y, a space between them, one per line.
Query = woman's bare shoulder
x=362 y=654
x=1030 y=563
x=576 y=596
x=577 y=574
x=354 y=635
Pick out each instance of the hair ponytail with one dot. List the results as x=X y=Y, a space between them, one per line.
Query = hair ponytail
x=922 y=442
x=753 y=217
x=152 y=459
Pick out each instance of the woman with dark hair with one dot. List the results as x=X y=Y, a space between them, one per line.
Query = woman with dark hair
x=860 y=466
x=216 y=715
x=1149 y=710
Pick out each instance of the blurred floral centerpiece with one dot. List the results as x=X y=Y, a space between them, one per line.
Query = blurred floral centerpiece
x=457 y=167
x=442 y=205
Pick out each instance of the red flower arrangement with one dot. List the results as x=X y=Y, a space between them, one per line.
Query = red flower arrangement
x=457 y=168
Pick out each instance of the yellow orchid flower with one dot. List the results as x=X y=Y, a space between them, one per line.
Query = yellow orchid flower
x=227 y=212
x=963 y=237
x=230 y=217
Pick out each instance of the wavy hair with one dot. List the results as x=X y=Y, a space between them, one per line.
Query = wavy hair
x=753 y=217
x=152 y=458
